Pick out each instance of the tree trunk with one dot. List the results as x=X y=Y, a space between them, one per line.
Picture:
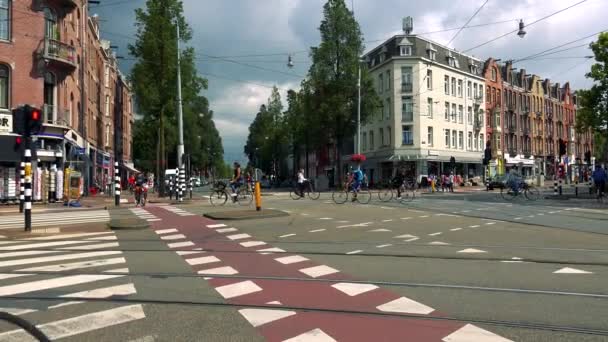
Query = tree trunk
x=162 y=150
x=158 y=174
x=339 y=160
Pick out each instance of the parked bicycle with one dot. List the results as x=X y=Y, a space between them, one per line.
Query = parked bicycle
x=531 y=193
x=308 y=189
x=361 y=195
x=220 y=194
x=406 y=192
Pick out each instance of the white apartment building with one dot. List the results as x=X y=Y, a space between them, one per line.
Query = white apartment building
x=432 y=110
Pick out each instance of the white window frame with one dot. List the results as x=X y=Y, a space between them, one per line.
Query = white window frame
x=429 y=136
x=447 y=111
x=446 y=84
x=411 y=131
x=7 y=22
x=454 y=114
x=454 y=139
x=460 y=113
x=469 y=92
x=469 y=115
x=469 y=141
x=446 y=135
x=429 y=79
x=453 y=86
x=459 y=87
x=461 y=140
x=405 y=50
x=429 y=103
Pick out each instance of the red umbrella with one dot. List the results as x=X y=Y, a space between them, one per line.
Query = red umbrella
x=358 y=158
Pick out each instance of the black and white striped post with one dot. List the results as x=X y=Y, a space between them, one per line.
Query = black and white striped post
x=181 y=184
x=560 y=186
x=21 y=186
x=28 y=185
x=190 y=186
x=555 y=187
x=116 y=185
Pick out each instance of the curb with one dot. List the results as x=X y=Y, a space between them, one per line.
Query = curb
x=128 y=224
x=244 y=215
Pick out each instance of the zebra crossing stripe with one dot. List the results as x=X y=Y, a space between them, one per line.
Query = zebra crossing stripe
x=25 y=253
x=67 y=236
x=56 y=258
x=75 y=265
x=91 y=247
x=80 y=324
x=32 y=286
x=42 y=244
x=104 y=292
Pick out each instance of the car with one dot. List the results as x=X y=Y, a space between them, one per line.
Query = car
x=196 y=182
x=497 y=182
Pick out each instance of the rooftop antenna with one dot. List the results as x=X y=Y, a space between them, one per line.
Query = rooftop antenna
x=408 y=25
x=290 y=61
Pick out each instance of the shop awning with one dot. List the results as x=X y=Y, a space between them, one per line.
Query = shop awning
x=130 y=167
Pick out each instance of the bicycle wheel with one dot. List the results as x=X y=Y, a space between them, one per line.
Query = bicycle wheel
x=532 y=193
x=507 y=194
x=364 y=196
x=339 y=196
x=244 y=197
x=294 y=194
x=385 y=194
x=313 y=193
x=218 y=198
x=407 y=195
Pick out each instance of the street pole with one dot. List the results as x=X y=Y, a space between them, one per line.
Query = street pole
x=359 y=111
x=180 y=121
x=116 y=184
x=21 y=186
x=28 y=184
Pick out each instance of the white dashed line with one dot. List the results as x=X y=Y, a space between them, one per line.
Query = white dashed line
x=238 y=236
x=490 y=223
x=317 y=230
x=354 y=252
x=382 y=246
x=412 y=239
x=354 y=289
x=226 y=230
x=474 y=226
x=517 y=218
x=435 y=234
x=471 y=250
x=318 y=271
x=292 y=259
x=455 y=229
x=166 y=231
x=438 y=243
x=238 y=289
x=258 y=317
x=202 y=260
x=173 y=237
x=387 y=220
x=406 y=218
x=423 y=216
x=226 y=270
x=252 y=243
x=213 y=226
x=404 y=236
x=180 y=244
x=286 y=235
x=405 y=305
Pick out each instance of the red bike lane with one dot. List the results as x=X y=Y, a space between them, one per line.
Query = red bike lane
x=327 y=305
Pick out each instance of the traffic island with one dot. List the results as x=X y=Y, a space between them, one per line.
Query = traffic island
x=245 y=214
x=128 y=224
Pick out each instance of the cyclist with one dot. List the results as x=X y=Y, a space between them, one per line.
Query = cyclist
x=140 y=187
x=599 y=178
x=356 y=181
x=398 y=181
x=514 y=181
x=302 y=181
x=237 y=180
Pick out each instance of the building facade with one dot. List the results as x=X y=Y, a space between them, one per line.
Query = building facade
x=52 y=57
x=432 y=111
x=494 y=116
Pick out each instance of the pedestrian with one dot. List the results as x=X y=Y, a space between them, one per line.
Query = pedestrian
x=451 y=184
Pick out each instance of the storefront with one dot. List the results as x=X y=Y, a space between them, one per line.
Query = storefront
x=522 y=165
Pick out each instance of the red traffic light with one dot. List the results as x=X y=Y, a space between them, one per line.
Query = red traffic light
x=35 y=115
x=18 y=140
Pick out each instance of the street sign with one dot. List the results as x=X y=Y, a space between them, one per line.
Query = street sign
x=6 y=123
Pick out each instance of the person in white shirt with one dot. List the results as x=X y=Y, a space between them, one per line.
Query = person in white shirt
x=301 y=182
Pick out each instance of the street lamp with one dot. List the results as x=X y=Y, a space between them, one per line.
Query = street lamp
x=361 y=60
x=521 y=33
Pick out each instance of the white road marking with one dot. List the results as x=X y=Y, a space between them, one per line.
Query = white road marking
x=568 y=270
x=465 y=211
x=238 y=289
x=415 y=211
x=364 y=224
x=326 y=218
x=423 y=216
x=435 y=234
x=188 y=252
x=404 y=236
x=154 y=220
x=38 y=285
x=180 y=244
x=517 y=218
x=455 y=229
x=271 y=250
x=318 y=271
x=226 y=270
x=80 y=324
x=286 y=235
x=274 y=302
x=490 y=223
x=238 y=236
x=91 y=247
x=25 y=253
x=166 y=231
x=382 y=246
x=406 y=218
x=412 y=239
x=552 y=212
x=342 y=221
x=12 y=275
x=292 y=259
x=315 y=335
x=540 y=214
x=105 y=292
x=18 y=262
x=516 y=258
x=317 y=230
x=439 y=243
x=471 y=250
x=354 y=289
x=390 y=220
x=202 y=260
x=213 y=226
x=471 y=333
x=405 y=305
x=65 y=236
x=118 y=270
x=354 y=252
x=75 y=265
x=41 y=245
x=380 y=230
x=474 y=226
x=173 y=237
x=17 y=311
x=252 y=243
x=258 y=317
x=531 y=216
x=226 y=230
x=387 y=208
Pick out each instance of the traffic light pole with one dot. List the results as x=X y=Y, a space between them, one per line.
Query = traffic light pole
x=21 y=186
x=28 y=184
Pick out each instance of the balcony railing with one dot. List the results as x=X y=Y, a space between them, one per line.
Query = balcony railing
x=527 y=153
x=407 y=117
x=59 y=52
x=407 y=87
x=53 y=116
x=478 y=99
x=526 y=131
x=512 y=128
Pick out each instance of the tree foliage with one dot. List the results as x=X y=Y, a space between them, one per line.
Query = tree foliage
x=593 y=103
x=154 y=79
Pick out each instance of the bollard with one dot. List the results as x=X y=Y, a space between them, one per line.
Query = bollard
x=560 y=187
x=555 y=187
x=116 y=185
x=190 y=186
x=258 y=196
x=21 y=186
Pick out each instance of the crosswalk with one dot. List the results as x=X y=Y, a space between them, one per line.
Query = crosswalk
x=55 y=219
x=65 y=270
x=144 y=214
x=178 y=211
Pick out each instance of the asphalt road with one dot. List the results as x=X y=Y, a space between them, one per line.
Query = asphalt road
x=457 y=267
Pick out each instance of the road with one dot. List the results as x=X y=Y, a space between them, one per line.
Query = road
x=446 y=267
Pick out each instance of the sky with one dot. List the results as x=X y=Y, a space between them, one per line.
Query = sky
x=241 y=30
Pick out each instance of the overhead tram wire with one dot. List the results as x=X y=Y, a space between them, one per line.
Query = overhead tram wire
x=557 y=47
x=554 y=52
x=528 y=25
x=468 y=21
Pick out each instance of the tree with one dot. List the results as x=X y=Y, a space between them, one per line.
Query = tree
x=333 y=76
x=154 y=78
x=593 y=103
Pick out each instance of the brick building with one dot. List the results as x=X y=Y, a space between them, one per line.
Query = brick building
x=494 y=115
x=52 y=57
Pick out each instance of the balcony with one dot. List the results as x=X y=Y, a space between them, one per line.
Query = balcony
x=511 y=107
x=60 y=54
x=478 y=99
x=53 y=116
x=512 y=128
x=527 y=154
x=407 y=87
x=512 y=152
x=526 y=131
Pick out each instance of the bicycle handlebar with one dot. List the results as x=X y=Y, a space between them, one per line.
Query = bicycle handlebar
x=25 y=325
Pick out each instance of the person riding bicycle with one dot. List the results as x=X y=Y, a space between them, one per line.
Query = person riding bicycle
x=140 y=185
x=398 y=181
x=599 y=178
x=302 y=181
x=237 y=181
x=514 y=181
x=356 y=181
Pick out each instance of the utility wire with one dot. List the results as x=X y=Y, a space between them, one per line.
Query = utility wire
x=468 y=21
x=557 y=47
x=530 y=24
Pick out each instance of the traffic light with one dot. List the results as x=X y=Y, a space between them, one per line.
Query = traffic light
x=27 y=120
x=18 y=144
x=588 y=157
x=562 y=147
x=487 y=155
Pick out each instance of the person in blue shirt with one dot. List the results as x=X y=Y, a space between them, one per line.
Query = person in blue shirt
x=599 y=178
x=356 y=181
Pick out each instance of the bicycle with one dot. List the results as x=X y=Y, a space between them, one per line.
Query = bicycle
x=220 y=194
x=340 y=196
x=139 y=199
x=309 y=190
x=407 y=189
x=600 y=195
x=531 y=193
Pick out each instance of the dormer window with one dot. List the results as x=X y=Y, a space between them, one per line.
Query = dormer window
x=405 y=50
x=451 y=59
x=431 y=52
x=473 y=67
x=383 y=53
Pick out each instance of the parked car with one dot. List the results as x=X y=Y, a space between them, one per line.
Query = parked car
x=497 y=182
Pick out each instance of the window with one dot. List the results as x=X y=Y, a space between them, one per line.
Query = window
x=388 y=80
x=446 y=85
x=453 y=86
x=447 y=138
x=380 y=83
x=470 y=141
x=5 y=19
x=107 y=140
x=407 y=109
x=429 y=105
x=476 y=143
x=469 y=115
x=429 y=79
x=429 y=135
x=488 y=92
x=382 y=57
x=452 y=61
x=406 y=79
x=5 y=82
x=107 y=105
x=453 y=114
x=371 y=140
x=494 y=74
x=364 y=141
x=461 y=140
x=459 y=88
x=50 y=24
x=454 y=138
x=475 y=90
x=388 y=136
x=407 y=135
x=469 y=89
x=387 y=114
x=405 y=50
x=481 y=141
x=460 y=114
x=481 y=92
x=381 y=137
x=447 y=111
x=106 y=76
